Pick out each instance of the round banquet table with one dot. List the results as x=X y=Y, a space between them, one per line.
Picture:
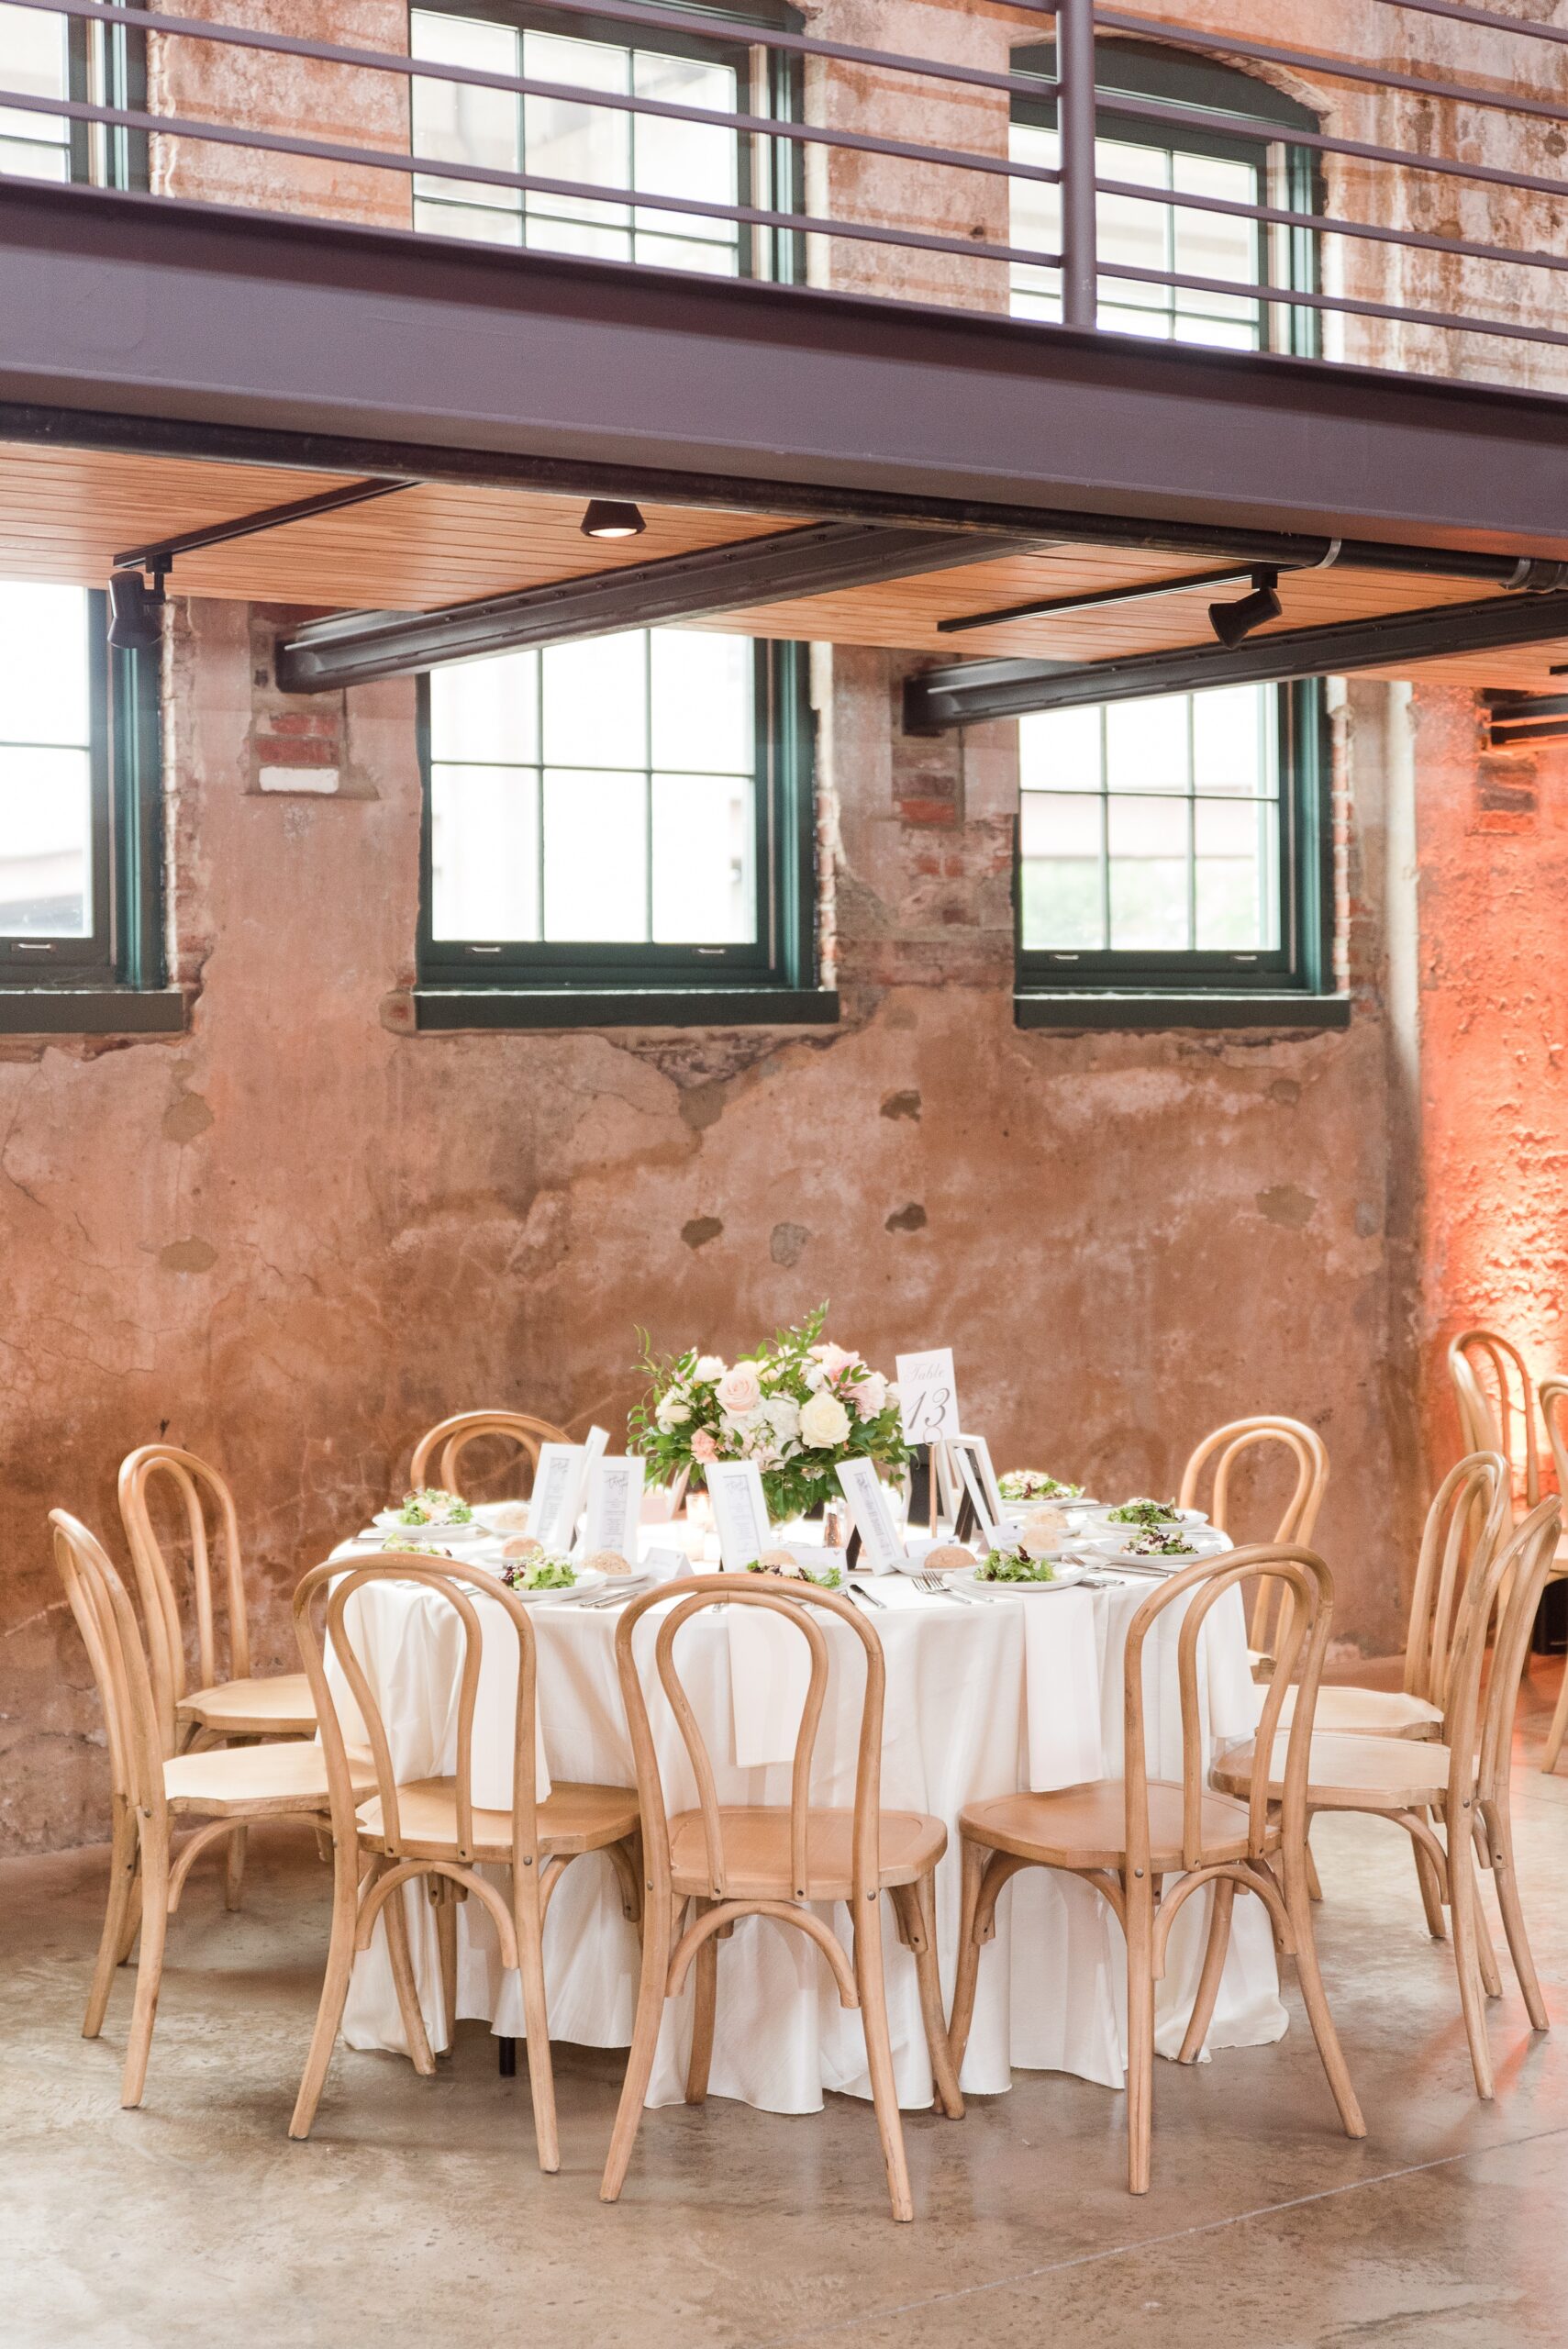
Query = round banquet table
x=982 y=1698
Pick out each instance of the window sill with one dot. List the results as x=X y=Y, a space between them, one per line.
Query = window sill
x=1037 y=1007
x=92 y=1011
x=437 y=1008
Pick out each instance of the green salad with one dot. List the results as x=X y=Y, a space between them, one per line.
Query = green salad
x=431 y=1506
x=829 y=1579
x=540 y=1572
x=408 y=1549
x=1152 y=1543
x=1145 y=1512
x=1011 y=1566
x=1034 y=1484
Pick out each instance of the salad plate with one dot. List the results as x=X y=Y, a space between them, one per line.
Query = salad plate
x=1117 y=1551
x=584 y=1580
x=1063 y=1574
x=391 y=1520
x=1159 y=1514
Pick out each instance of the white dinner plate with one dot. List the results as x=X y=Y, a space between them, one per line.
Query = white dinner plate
x=587 y=1576
x=1067 y=1573
x=389 y=1521
x=1101 y=1518
x=1011 y=1501
x=1113 y=1554
x=488 y=1514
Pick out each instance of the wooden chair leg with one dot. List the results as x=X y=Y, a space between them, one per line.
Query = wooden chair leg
x=1214 y=1957
x=1462 y=1904
x=705 y=2006
x=916 y=1904
x=871 y=1984
x=1558 y=1729
x=651 y=1984
x=1500 y=1830
x=1485 y=1950
x=1431 y=1890
x=446 y=1943
x=395 y=1919
x=1313 y=1998
x=975 y=1860
x=122 y=1888
x=234 y=1869
x=1313 y=1888
x=1140 y=2032
x=530 y=1923
x=149 y=1966
x=334 y=1987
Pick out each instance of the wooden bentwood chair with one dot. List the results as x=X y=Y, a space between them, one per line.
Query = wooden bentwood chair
x=155 y=1791
x=1128 y=1840
x=730 y=1862
x=1462 y=1781
x=429 y=1832
x=445 y=1444
x=1218 y=1453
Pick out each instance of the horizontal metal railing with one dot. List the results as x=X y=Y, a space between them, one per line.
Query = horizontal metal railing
x=1496 y=287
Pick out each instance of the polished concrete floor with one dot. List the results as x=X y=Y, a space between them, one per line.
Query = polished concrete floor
x=415 y=2215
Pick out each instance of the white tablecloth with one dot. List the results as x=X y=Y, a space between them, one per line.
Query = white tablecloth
x=957 y=1728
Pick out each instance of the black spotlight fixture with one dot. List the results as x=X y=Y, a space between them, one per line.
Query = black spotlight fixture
x=135 y=611
x=1231 y=622
x=609 y=517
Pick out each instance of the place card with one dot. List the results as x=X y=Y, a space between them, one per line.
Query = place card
x=556 y=1473
x=881 y=1543
x=572 y=1506
x=981 y=1451
x=615 y=1503
x=928 y=1395
x=740 y=1511
x=963 y=1459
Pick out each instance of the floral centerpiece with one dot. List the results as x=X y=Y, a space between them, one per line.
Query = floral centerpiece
x=798 y=1406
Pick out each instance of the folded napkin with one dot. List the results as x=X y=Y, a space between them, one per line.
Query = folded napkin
x=1062 y=1680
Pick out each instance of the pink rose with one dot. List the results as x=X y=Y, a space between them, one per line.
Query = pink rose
x=835 y=1361
x=704 y=1447
x=739 y=1390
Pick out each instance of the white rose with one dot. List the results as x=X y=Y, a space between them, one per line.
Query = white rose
x=824 y=1422
x=672 y=1413
x=709 y=1367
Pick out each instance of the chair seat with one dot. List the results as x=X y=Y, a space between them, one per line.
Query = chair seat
x=1085 y=1827
x=255 y=1780
x=1369 y=1712
x=1350 y=1773
x=757 y=1853
x=575 y=1818
x=277 y=1707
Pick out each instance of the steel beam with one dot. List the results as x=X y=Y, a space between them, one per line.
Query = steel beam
x=160 y=552
x=354 y=647
x=228 y=317
x=969 y=691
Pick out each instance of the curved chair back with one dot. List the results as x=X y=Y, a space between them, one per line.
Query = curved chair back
x=1299 y=1522
x=1472 y=1512
x=207 y=1505
x=1552 y=1394
x=799 y=1606
x=1478 y=1726
x=442 y=1448
x=101 y=1605
x=342 y=1580
x=1495 y=1398
x=1300 y=1582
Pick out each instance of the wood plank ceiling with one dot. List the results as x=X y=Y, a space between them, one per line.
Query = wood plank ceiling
x=65 y=513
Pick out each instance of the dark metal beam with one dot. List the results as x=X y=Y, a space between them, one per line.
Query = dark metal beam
x=1137 y=592
x=970 y=690
x=354 y=647
x=223 y=316
x=161 y=553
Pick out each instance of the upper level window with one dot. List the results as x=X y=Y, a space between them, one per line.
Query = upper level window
x=1256 y=164
x=631 y=810
x=571 y=141
x=49 y=56
x=78 y=762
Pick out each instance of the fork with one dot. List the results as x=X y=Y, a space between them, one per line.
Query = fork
x=936 y=1587
x=601 y=1598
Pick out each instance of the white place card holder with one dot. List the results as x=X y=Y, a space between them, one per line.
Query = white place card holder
x=928 y=1395
x=556 y=1473
x=740 y=1511
x=981 y=1451
x=964 y=1460
x=615 y=1503
x=572 y=1506
x=881 y=1543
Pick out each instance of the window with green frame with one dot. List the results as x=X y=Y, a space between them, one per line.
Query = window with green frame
x=1176 y=842
x=627 y=811
x=705 y=62
x=79 y=757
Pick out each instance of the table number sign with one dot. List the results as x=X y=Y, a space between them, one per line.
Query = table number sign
x=740 y=1511
x=572 y=1507
x=928 y=1395
x=555 y=1483
x=615 y=1503
x=867 y=1495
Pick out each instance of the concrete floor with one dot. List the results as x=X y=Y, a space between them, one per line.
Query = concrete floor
x=415 y=2215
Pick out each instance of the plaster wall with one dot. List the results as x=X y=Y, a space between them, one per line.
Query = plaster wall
x=295 y=1236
